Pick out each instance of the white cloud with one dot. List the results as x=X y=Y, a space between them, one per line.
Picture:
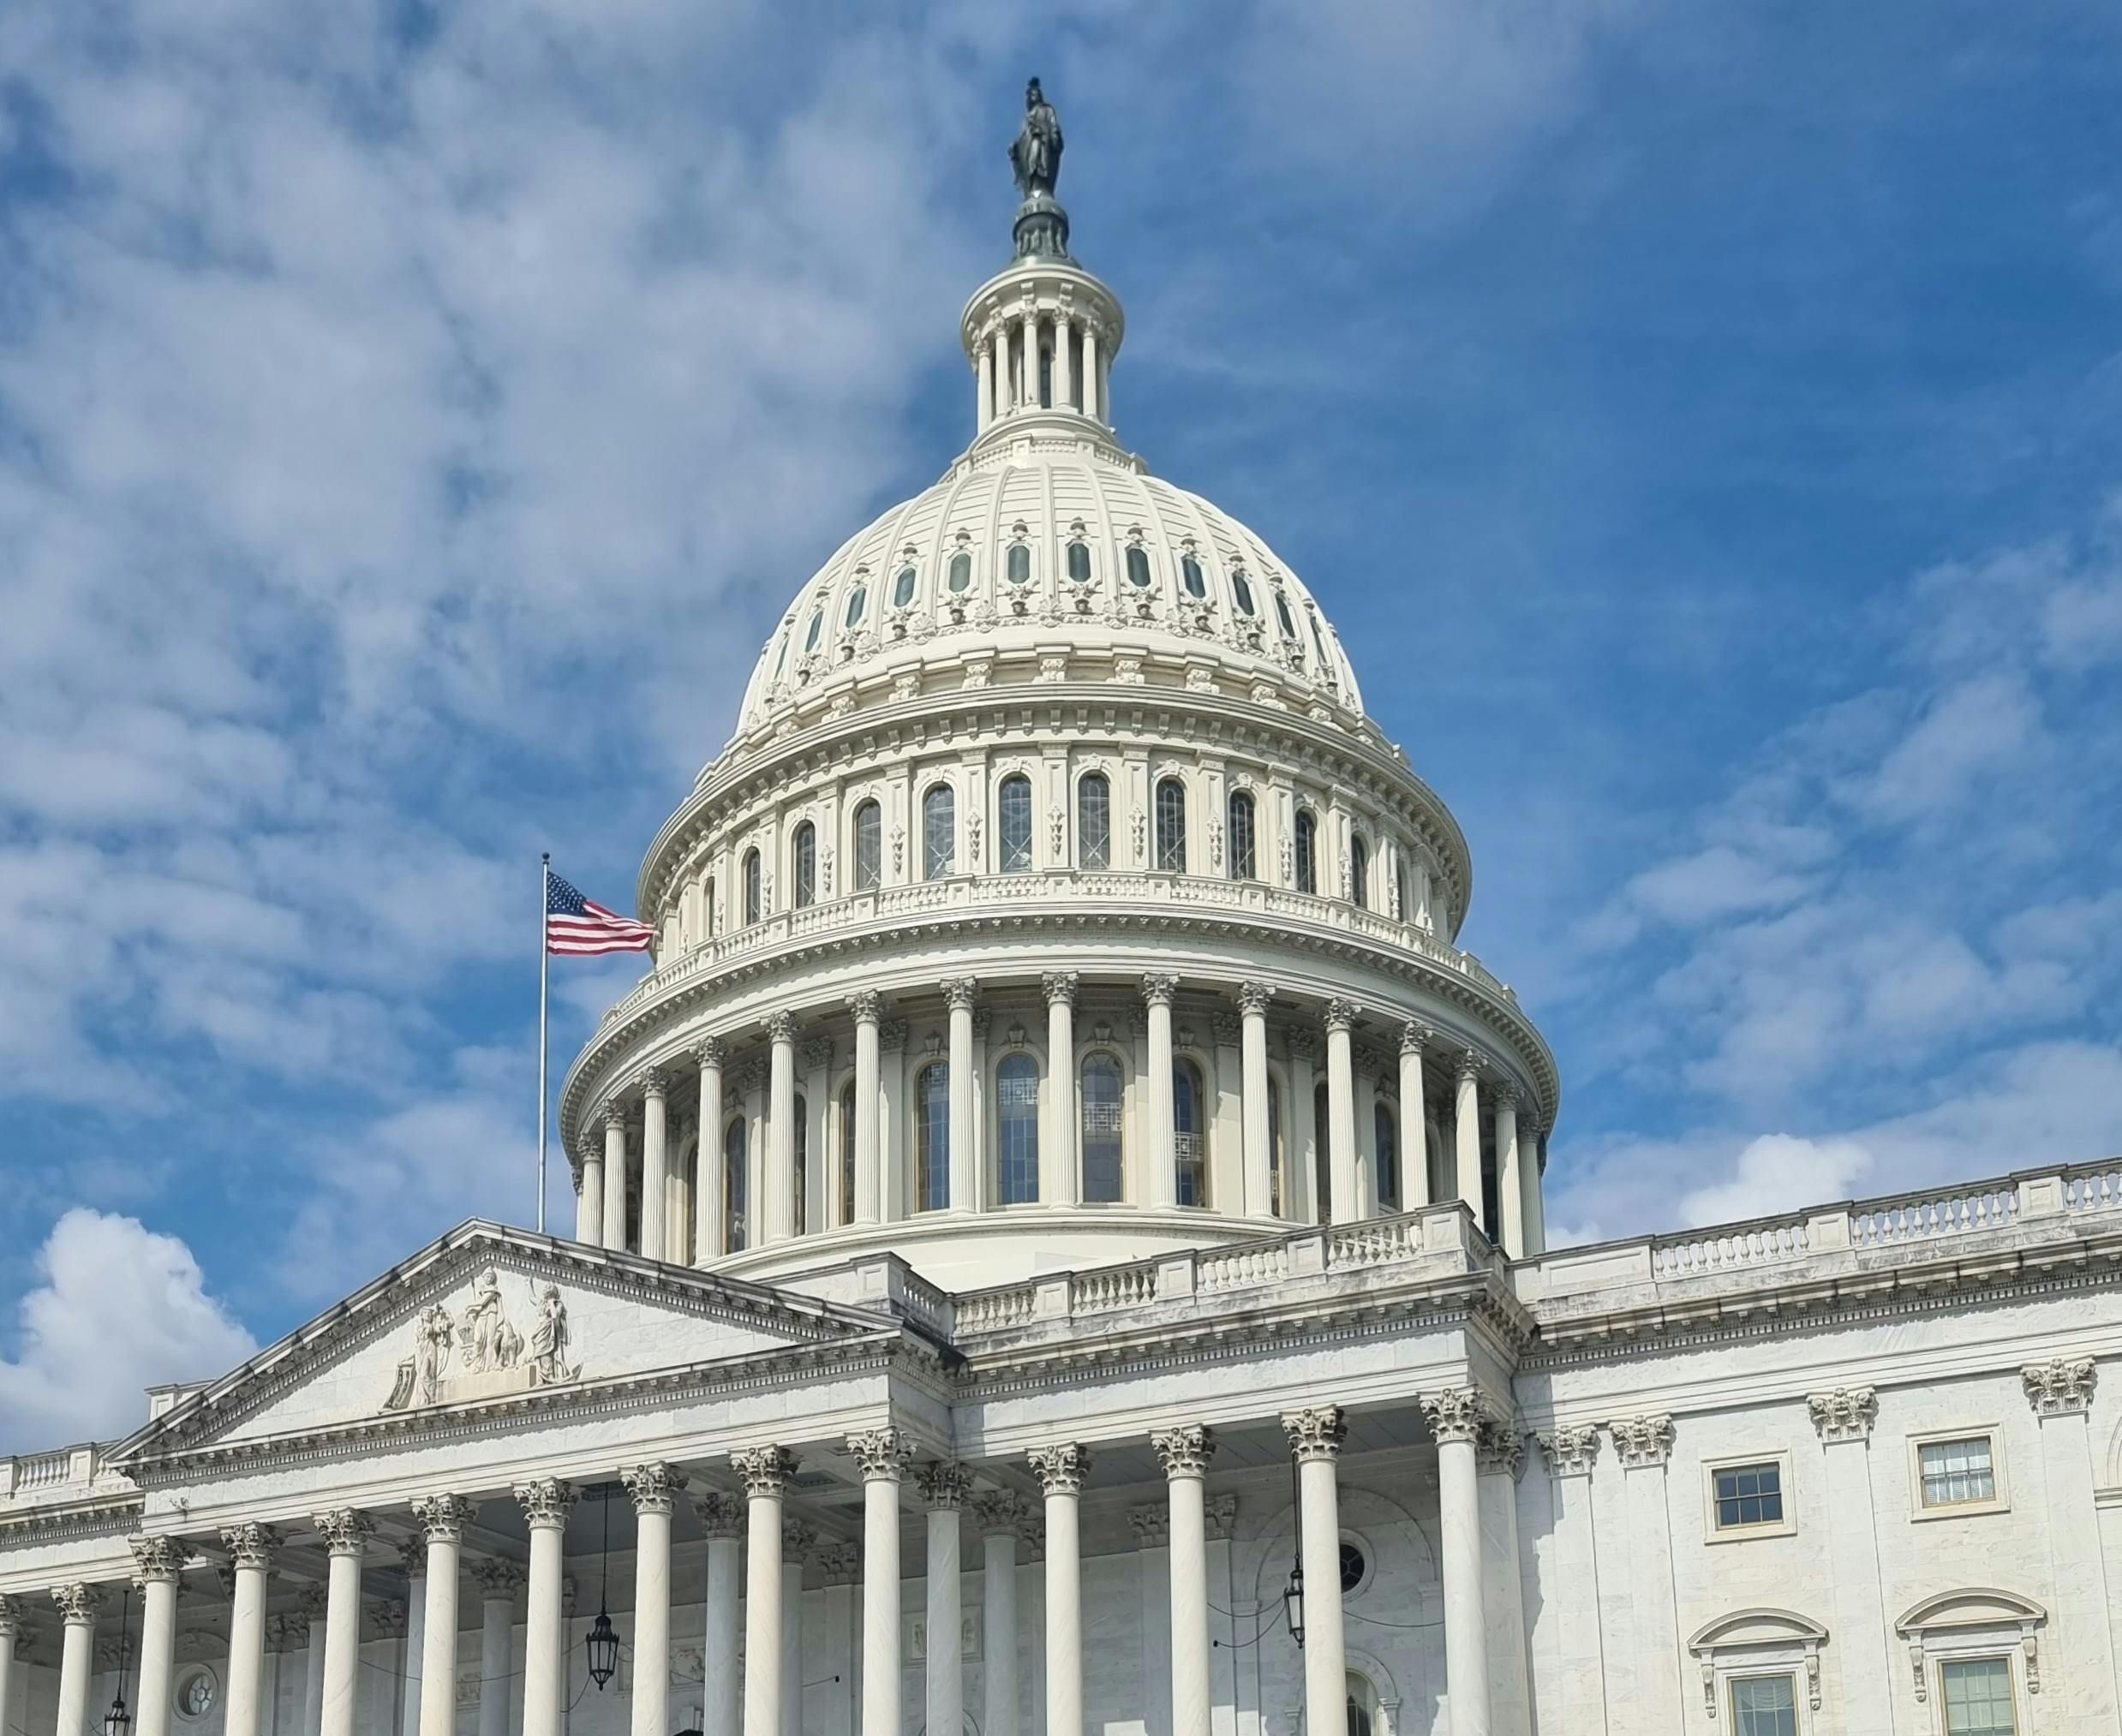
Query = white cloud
x=118 y=1307
x=1778 y=1172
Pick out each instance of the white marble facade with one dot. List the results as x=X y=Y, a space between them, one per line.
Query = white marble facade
x=1059 y=1175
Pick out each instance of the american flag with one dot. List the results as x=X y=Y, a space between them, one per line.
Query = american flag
x=574 y=924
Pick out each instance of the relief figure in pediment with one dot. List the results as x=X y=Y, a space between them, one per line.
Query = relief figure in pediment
x=485 y=1336
x=432 y=1340
x=549 y=1366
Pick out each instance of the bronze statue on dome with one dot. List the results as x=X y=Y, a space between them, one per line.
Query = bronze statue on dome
x=1035 y=152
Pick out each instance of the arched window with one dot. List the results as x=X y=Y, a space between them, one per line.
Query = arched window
x=1307 y=851
x=752 y=905
x=1385 y=1138
x=806 y=865
x=1191 y=576
x=1017 y=1128
x=1013 y=803
x=939 y=832
x=1242 y=588
x=1171 y=826
x=734 y=1164
x=1094 y=821
x=707 y=909
x=1358 y=871
x=1318 y=641
x=1137 y=566
x=1402 y=908
x=847 y=1153
x=903 y=587
x=1101 y=1128
x=869 y=847
x=1282 y=614
x=1244 y=856
x=1323 y=1153
x=781 y=663
x=1019 y=565
x=857 y=601
x=800 y=1178
x=1189 y=1135
x=931 y=1141
x=1079 y=563
x=1275 y=1145
x=814 y=630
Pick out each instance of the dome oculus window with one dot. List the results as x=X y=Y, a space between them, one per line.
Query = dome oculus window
x=939 y=832
x=903 y=587
x=1094 y=821
x=1013 y=803
x=857 y=601
x=1171 y=826
x=1079 y=563
x=1192 y=576
x=1242 y=588
x=869 y=847
x=1137 y=566
x=960 y=573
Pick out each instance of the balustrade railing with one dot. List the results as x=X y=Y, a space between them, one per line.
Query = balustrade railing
x=1914 y=1218
x=1760 y=1244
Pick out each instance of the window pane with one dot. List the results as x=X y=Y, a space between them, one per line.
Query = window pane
x=806 y=864
x=1094 y=822
x=1322 y=1150
x=1171 y=826
x=1017 y=1110
x=1282 y=614
x=1958 y=1471
x=1189 y=1137
x=1243 y=857
x=1190 y=576
x=1307 y=853
x=1978 y=1697
x=931 y=1180
x=1385 y=1135
x=869 y=847
x=812 y=632
x=1019 y=565
x=1016 y=827
x=751 y=885
x=1101 y=1128
x=857 y=601
x=1242 y=588
x=939 y=832
x=902 y=587
x=847 y=1153
x=1750 y=1495
x=961 y=569
x=1764 y=1706
x=1274 y=1144
x=1360 y=872
x=1137 y=566
x=1080 y=562
x=799 y=1181
x=733 y=1144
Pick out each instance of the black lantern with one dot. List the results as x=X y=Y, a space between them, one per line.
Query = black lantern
x=1293 y=1603
x=118 y=1721
x=601 y=1647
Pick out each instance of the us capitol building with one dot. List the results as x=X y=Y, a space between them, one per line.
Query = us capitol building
x=1058 y=1251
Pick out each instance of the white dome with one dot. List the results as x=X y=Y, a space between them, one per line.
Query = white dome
x=1162 y=564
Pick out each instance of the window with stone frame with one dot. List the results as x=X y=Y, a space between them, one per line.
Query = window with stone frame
x=1017 y=1131
x=1100 y=1131
x=1976 y=1696
x=1764 y=1705
x=1190 y=1178
x=1747 y=1497
x=869 y=847
x=939 y=832
x=931 y=1144
x=1385 y=1144
x=735 y=1148
x=1307 y=852
x=754 y=904
x=1171 y=826
x=847 y=1153
x=799 y=1176
x=806 y=852
x=1958 y=1473
x=1244 y=850
x=1094 y=821
x=1012 y=804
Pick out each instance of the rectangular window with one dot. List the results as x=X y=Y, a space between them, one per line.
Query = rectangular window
x=1977 y=1696
x=1748 y=1494
x=1957 y=1472
x=1764 y=1706
x=1094 y=822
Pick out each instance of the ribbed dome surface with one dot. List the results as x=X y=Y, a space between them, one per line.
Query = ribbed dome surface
x=989 y=550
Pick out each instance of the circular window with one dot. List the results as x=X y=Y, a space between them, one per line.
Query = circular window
x=1355 y=1567
x=197 y=1692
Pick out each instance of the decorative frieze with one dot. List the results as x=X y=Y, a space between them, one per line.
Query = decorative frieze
x=1316 y=1434
x=2060 y=1388
x=481 y=1352
x=1844 y=1414
x=1641 y=1443
x=1060 y=1468
x=1570 y=1452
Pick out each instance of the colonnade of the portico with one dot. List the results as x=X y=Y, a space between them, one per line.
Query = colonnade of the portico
x=754 y=1552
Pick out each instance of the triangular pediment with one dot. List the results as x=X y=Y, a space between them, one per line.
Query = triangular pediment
x=486 y=1316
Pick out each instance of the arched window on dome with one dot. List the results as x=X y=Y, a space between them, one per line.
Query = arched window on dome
x=1322 y=1153
x=814 y=631
x=734 y=1147
x=1020 y=567
x=1385 y=1143
x=1079 y=563
x=939 y=832
x=1283 y=615
x=1017 y=1131
x=903 y=587
x=799 y=1176
x=806 y=855
x=932 y=1140
x=1242 y=588
x=1192 y=576
x=1319 y=640
x=1358 y=871
x=1094 y=821
x=960 y=573
x=1244 y=851
x=846 y=1153
x=1402 y=908
x=1137 y=566
x=1171 y=826
x=754 y=907
x=1190 y=1155
x=869 y=847
x=1275 y=1145
x=858 y=605
x=1307 y=851
x=1014 y=812
x=781 y=663
x=1101 y=1130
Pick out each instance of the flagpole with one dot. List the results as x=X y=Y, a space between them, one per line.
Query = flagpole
x=545 y=903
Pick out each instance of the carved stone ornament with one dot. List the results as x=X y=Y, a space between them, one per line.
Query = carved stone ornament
x=545 y=1501
x=1220 y=1514
x=1500 y=1449
x=1253 y=997
x=1059 y=986
x=497 y=1577
x=387 y=1618
x=1152 y=1527
x=157 y=1561
x=960 y=992
x=999 y=1512
x=1060 y=1468
x=482 y=1353
x=250 y=1544
x=891 y=1035
x=1456 y=1414
x=345 y=1530
x=719 y=1515
x=443 y=1518
x=1341 y=1015
x=1642 y=1443
x=780 y=1028
x=1186 y=1450
x=799 y=1537
x=1845 y=1414
x=1569 y=1452
x=1158 y=988
x=765 y=1469
x=1315 y=1435
x=943 y=1484
x=709 y=1052
x=867 y=1007
x=840 y=1563
x=653 y=1487
x=2060 y=1388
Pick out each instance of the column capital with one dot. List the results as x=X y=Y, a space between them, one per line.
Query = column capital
x=1642 y=1443
x=497 y=1577
x=2062 y=1386
x=157 y=1561
x=1458 y=1413
x=443 y=1518
x=386 y=1617
x=892 y=1035
x=1152 y=1526
x=12 y=1610
x=999 y=1512
x=250 y=1544
x=1184 y=1450
x=652 y=1082
x=1159 y=988
x=943 y=1484
x=1060 y=986
x=1845 y=1414
x=960 y=992
x=719 y=1515
x=780 y=1028
x=653 y=1486
x=710 y=1052
x=1472 y=1063
x=545 y=1502
x=868 y=1006
x=1315 y=1435
x=1415 y=1036
x=765 y=1469
x=615 y=1116
x=345 y=1530
x=1500 y=1449
x=1340 y=1015
x=799 y=1537
x=840 y=1563
x=78 y=1603
x=883 y=1454
x=1569 y=1451
x=1062 y=1467
x=1220 y=1513
x=1253 y=997
x=412 y=1554
x=1503 y=1095
x=1304 y=1045
x=818 y=1054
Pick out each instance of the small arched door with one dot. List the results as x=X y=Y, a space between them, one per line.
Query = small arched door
x=1363 y=1718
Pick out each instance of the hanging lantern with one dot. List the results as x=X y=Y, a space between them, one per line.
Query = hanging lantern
x=118 y=1721
x=1292 y=1604
x=601 y=1647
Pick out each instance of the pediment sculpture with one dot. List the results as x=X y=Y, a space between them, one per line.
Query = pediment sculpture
x=481 y=1352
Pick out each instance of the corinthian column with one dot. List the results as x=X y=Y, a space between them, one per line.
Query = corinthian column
x=964 y=1184
x=1057 y=1144
x=868 y=1007
x=1340 y=1114
x=498 y=1581
x=765 y=1470
x=882 y=1455
x=1061 y=1470
x=780 y=1126
x=345 y=1532
x=655 y=1168
x=722 y=1521
x=250 y=1548
x=1455 y=1418
x=157 y=1562
x=709 y=1223
x=11 y=1612
x=443 y=1518
x=1510 y=1195
x=1467 y=1119
x=652 y=1487
x=943 y=1488
x=589 y=1196
x=1158 y=991
x=1252 y=999
x=615 y=1175
x=77 y=1604
x=1315 y=1438
x=545 y=1503
x=1185 y=1454
x=999 y=1518
x=1415 y=1138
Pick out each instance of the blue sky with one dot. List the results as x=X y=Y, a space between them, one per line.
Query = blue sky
x=1703 y=422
